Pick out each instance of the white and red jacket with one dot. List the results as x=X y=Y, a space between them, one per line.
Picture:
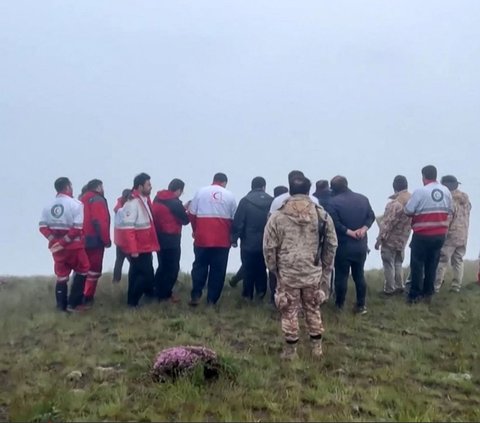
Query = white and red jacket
x=134 y=229
x=62 y=222
x=430 y=207
x=211 y=215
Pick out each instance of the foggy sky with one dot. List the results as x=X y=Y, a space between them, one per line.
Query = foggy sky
x=107 y=89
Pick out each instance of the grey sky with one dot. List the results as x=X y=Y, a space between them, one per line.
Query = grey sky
x=110 y=88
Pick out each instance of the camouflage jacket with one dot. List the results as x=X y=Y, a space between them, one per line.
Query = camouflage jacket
x=457 y=235
x=395 y=226
x=290 y=244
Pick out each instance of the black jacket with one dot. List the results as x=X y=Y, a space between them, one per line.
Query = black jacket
x=350 y=210
x=323 y=198
x=250 y=220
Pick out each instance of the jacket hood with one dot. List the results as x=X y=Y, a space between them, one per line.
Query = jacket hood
x=165 y=194
x=260 y=199
x=460 y=197
x=402 y=197
x=300 y=209
x=90 y=194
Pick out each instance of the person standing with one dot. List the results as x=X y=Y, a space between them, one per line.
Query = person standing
x=136 y=236
x=299 y=247
x=248 y=224
x=169 y=215
x=211 y=214
x=395 y=228
x=120 y=256
x=61 y=224
x=96 y=226
x=455 y=244
x=429 y=207
x=323 y=193
x=353 y=216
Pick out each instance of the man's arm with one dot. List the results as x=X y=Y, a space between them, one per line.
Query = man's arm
x=238 y=226
x=271 y=244
x=391 y=215
x=329 y=248
x=177 y=209
x=101 y=219
x=192 y=212
x=412 y=204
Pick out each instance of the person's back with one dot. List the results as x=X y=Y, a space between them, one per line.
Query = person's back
x=457 y=234
x=351 y=210
x=96 y=220
x=212 y=210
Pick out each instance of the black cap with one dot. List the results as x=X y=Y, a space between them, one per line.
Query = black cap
x=450 y=182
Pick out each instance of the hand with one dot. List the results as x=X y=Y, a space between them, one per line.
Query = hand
x=351 y=234
x=360 y=233
x=187 y=204
x=377 y=245
x=234 y=245
x=108 y=245
x=134 y=255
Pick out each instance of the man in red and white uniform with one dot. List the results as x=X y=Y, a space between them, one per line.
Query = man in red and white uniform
x=169 y=216
x=211 y=215
x=96 y=226
x=135 y=235
x=429 y=207
x=62 y=224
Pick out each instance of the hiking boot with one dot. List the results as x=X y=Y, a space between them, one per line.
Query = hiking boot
x=175 y=299
x=78 y=309
x=455 y=289
x=88 y=301
x=386 y=294
x=233 y=282
x=317 y=350
x=289 y=352
x=362 y=310
x=194 y=302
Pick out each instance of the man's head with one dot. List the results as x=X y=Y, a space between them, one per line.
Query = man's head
x=279 y=190
x=220 y=179
x=429 y=174
x=450 y=182
x=321 y=185
x=63 y=186
x=339 y=184
x=95 y=185
x=259 y=183
x=176 y=186
x=142 y=184
x=126 y=193
x=300 y=185
x=294 y=174
x=400 y=183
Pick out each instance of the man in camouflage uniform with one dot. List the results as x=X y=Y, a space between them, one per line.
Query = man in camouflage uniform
x=455 y=244
x=395 y=227
x=299 y=246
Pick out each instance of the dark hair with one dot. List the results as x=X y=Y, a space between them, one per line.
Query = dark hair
x=94 y=184
x=220 y=177
x=279 y=190
x=430 y=172
x=126 y=193
x=258 y=182
x=84 y=190
x=295 y=174
x=400 y=183
x=61 y=184
x=300 y=185
x=339 y=184
x=140 y=180
x=321 y=185
x=176 y=184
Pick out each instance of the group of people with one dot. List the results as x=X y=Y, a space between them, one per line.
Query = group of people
x=306 y=246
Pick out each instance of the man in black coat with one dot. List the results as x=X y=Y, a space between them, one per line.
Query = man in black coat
x=248 y=225
x=353 y=216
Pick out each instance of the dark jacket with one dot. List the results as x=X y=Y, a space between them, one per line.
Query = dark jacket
x=350 y=210
x=250 y=220
x=323 y=197
x=96 y=220
x=168 y=215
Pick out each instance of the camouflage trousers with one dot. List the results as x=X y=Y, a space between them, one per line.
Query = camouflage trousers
x=392 y=268
x=289 y=301
x=454 y=256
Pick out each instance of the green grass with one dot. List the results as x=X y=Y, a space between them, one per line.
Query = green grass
x=396 y=363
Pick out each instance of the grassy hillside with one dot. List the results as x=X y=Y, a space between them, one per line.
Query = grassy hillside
x=399 y=362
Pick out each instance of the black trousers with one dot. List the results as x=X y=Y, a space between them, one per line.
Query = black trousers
x=346 y=260
x=117 y=268
x=167 y=271
x=255 y=276
x=210 y=263
x=424 y=258
x=140 y=278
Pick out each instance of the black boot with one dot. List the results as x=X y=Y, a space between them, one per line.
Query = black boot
x=61 y=293
x=76 y=291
